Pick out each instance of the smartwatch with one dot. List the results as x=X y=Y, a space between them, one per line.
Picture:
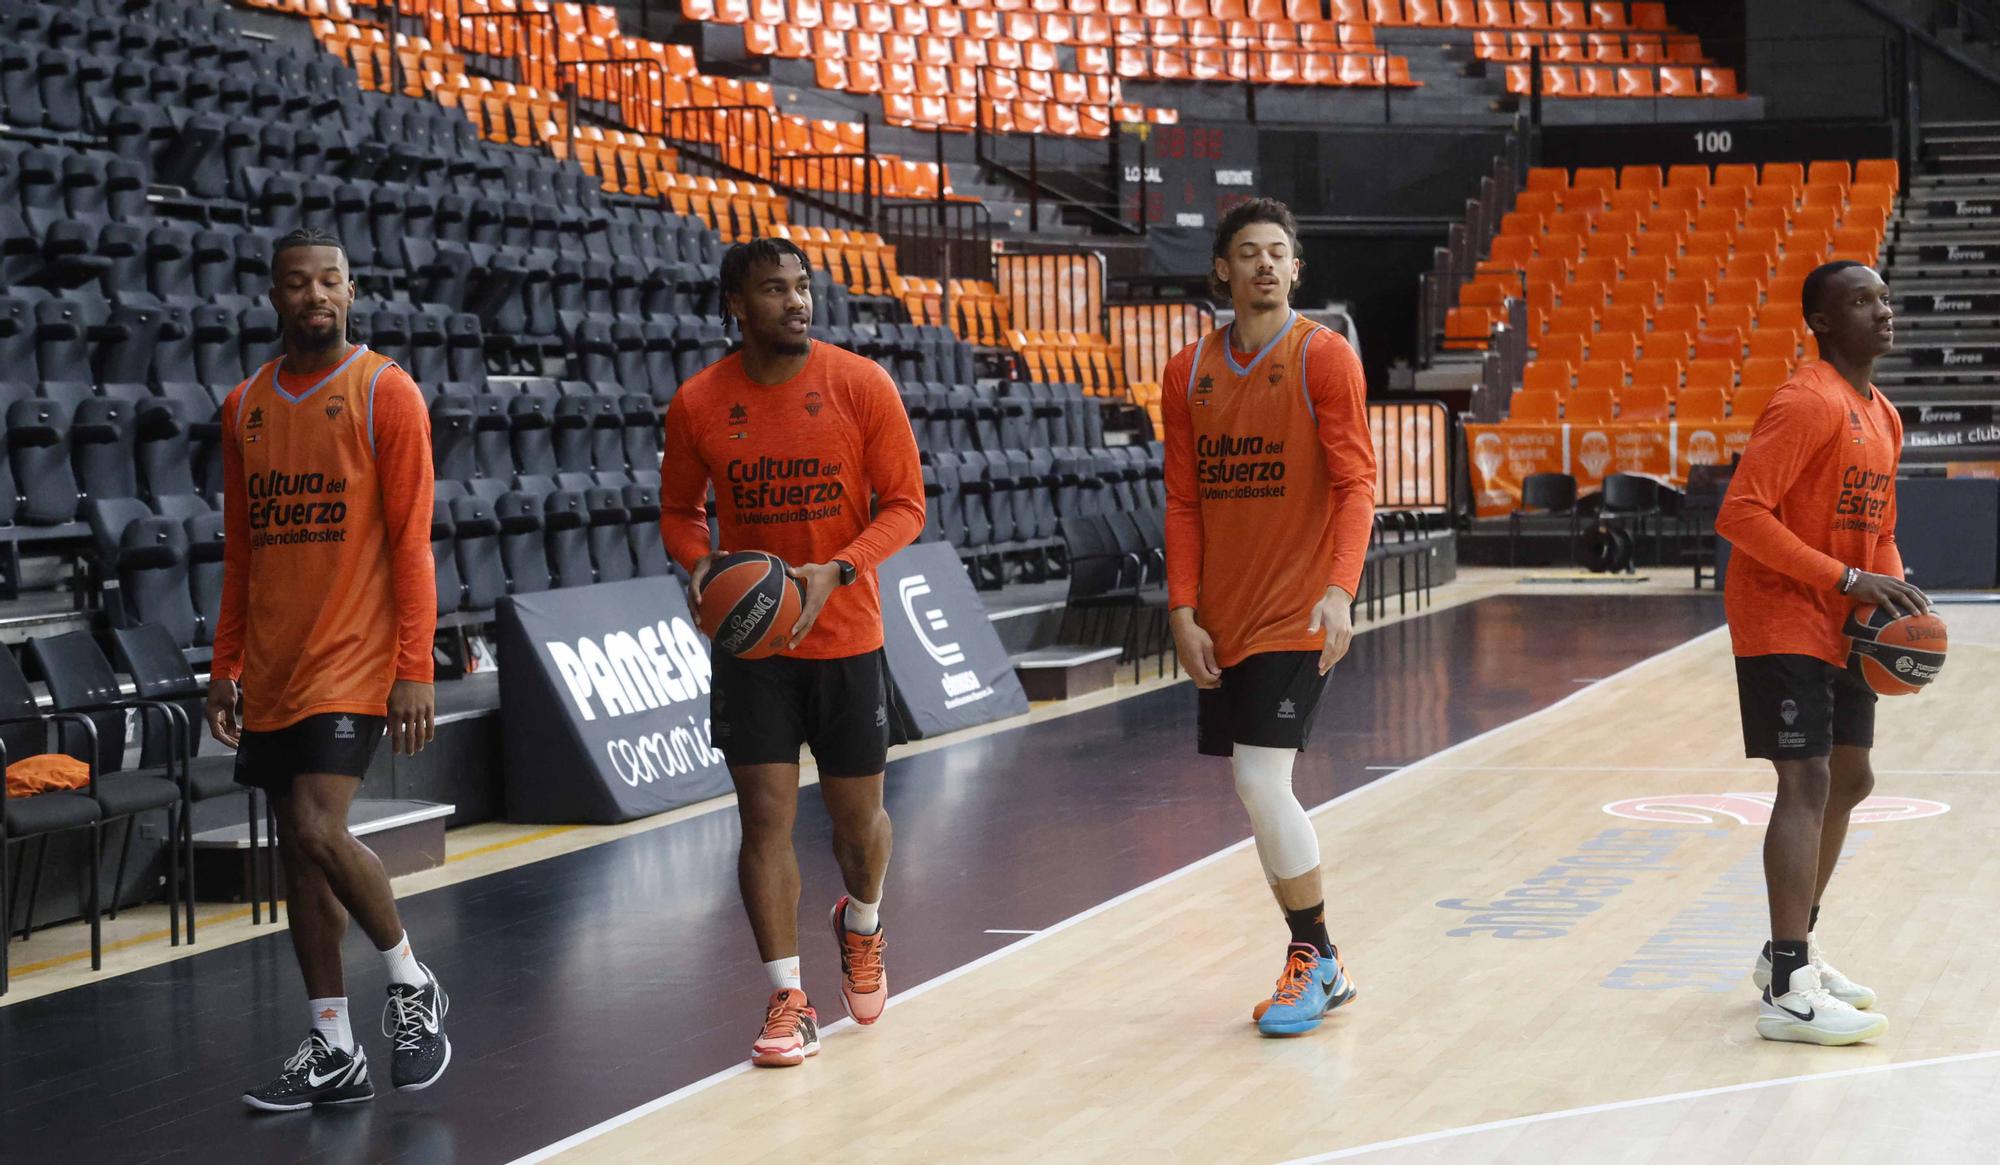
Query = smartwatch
x=847 y=571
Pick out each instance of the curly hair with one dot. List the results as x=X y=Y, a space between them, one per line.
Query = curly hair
x=1248 y=213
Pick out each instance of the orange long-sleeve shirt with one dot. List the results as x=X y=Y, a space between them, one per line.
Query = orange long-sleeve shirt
x=1270 y=475
x=328 y=590
x=1814 y=494
x=793 y=466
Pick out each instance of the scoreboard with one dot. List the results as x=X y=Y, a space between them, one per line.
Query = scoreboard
x=1189 y=175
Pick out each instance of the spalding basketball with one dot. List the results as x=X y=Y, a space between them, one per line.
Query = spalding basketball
x=1897 y=656
x=749 y=603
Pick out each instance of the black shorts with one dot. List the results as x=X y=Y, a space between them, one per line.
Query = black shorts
x=1267 y=700
x=1796 y=707
x=332 y=742
x=762 y=710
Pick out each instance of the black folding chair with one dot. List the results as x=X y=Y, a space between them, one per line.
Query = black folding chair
x=1543 y=494
x=25 y=820
x=160 y=671
x=1631 y=498
x=80 y=680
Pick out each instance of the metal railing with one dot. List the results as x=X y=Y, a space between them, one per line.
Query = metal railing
x=1053 y=289
x=1417 y=447
x=941 y=240
x=1147 y=332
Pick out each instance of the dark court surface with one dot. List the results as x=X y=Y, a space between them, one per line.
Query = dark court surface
x=587 y=984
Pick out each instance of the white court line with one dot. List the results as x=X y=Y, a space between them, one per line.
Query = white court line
x=1013 y=932
x=738 y=1069
x=1637 y=1102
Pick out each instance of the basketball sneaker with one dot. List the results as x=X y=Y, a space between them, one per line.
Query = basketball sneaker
x=318 y=1073
x=1836 y=984
x=864 y=984
x=1309 y=987
x=414 y=1019
x=791 y=1031
x=1809 y=1014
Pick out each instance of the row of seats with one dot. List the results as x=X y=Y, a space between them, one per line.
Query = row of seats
x=1608 y=15
x=1669 y=375
x=1593 y=48
x=1597 y=406
x=536 y=428
x=984 y=503
x=1020 y=417
x=1070 y=357
x=84 y=340
x=524 y=542
x=1634 y=81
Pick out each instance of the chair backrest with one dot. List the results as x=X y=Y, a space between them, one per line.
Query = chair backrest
x=78 y=676
x=23 y=733
x=1553 y=492
x=1629 y=493
x=160 y=671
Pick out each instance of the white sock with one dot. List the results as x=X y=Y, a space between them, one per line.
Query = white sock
x=861 y=917
x=402 y=964
x=329 y=1019
x=785 y=973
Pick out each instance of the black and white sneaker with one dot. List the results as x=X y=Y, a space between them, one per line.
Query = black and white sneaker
x=318 y=1073
x=414 y=1019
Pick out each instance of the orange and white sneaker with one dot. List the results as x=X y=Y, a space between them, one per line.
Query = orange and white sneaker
x=864 y=984
x=791 y=1031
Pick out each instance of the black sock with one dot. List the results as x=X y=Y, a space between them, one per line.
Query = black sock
x=1787 y=955
x=1814 y=924
x=1309 y=927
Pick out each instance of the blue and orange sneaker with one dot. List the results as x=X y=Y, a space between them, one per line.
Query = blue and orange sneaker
x=1309 y=987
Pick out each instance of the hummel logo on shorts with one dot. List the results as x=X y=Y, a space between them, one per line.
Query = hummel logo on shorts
x=1287 y=710
x=343 y=728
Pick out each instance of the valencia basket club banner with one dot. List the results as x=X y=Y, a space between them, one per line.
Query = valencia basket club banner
x=604 y=704
x=946 y=664
x=1502 y=456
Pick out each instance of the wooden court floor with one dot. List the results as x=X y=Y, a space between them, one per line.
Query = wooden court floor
x=1495 y=1022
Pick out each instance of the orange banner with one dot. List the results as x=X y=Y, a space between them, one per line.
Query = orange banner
x=1502 y=456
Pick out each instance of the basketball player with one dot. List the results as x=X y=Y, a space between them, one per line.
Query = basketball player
x=1270 y=475
x=1811 y=514
x=329 y=607
x=796 y=435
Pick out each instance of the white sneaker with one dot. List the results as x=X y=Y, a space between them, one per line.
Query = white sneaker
x=1809 y=1014
x=1836 y=984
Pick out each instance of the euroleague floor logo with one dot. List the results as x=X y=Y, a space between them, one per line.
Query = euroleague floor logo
x=1755 y=809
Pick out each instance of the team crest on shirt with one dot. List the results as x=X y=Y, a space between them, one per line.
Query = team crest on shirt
x=334 y=407
x=1277 y=373
x=814 y=404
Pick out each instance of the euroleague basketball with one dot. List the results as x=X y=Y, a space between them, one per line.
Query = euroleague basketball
x=748 y=603
x=1895 y=655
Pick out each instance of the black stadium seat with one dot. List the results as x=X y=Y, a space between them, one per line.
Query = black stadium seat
x=476 y=534
x=565 y=522
x=523 y=553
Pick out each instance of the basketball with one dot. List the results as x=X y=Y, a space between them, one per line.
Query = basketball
x=1897 y=656
x=748 y=603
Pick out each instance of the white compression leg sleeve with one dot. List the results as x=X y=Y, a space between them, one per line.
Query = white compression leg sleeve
x=1286 y=843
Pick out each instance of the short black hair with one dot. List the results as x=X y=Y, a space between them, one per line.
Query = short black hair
x=306 y=237
x=1814 y=288
x=1243 y=214
x=737 y=261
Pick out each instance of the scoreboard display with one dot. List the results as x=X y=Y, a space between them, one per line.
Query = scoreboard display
x=1188 y=175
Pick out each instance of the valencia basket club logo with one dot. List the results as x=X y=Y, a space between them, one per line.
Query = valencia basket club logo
x=814 y=404
x=1755 y=809
x=334 y=407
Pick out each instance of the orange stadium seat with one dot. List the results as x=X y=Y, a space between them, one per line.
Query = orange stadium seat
x=1534 y=406
x=1593 y=406
x=1700 y=405
x=1643 y=403
x=1661 y=372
